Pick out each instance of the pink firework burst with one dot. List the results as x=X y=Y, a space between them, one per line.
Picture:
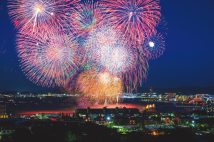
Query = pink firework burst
x=50 y=60
x=136 y=19
x=37 y=15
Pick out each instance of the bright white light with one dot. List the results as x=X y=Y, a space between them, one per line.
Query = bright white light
x=104 y=78
x=151 y=44
x=108 y=118
x=39 y=8
x=116 y=79
x=130 y=15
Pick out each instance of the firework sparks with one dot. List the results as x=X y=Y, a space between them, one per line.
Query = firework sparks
x=137 y=19
x=107 y=50
x=135 y=77
x=86 y=17
x=36 y=15
x=154 y=47
x=104 y=39
x=49 y=60
x=99 y=85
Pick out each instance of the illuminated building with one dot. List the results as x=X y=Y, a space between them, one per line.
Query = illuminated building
x=122 y=116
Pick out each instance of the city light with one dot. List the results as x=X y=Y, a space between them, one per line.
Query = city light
x=108 y=118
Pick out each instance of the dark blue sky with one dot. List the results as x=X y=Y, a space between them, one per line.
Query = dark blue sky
x=187 y=62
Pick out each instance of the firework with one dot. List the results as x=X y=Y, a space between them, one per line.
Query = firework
x=86 y=17
x=93 y=46
x=136 y=19
x=109 y=51
x=104 y=35
x=154 y=47
x=99 y=85
x=48 y=60
x=36 y=15
x=135 y=77
x=117 y=59
x=162 y=26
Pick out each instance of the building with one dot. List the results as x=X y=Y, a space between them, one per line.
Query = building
x=120 y=116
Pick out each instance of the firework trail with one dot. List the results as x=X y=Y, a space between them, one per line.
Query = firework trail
x=99 y=85
x=136 y=19
x=135 y=77
x=39 y=15
x=154 y=47
x=48 y=60
x=86 y=17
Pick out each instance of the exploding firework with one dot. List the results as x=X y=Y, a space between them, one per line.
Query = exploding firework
x=49 y=60
x=154 y=47
x=116 y=59
x=104 y=35
x=136 y=19
x=100 y=86
x=86 y=17
x=37 y=15
x=109 y=51
x=104 y=39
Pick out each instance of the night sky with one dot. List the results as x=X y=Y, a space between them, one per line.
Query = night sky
x=187 y=62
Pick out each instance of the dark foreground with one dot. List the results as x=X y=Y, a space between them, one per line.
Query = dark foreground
x=135 y=121
x=72 y=131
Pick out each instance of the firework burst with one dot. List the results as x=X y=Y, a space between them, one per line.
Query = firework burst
x=99 y=85
x=136 y=19
x=109 y=51
x=98 y=47
x=49 y=60
x=86 y=17
x=154 y=47
x=39 y=15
